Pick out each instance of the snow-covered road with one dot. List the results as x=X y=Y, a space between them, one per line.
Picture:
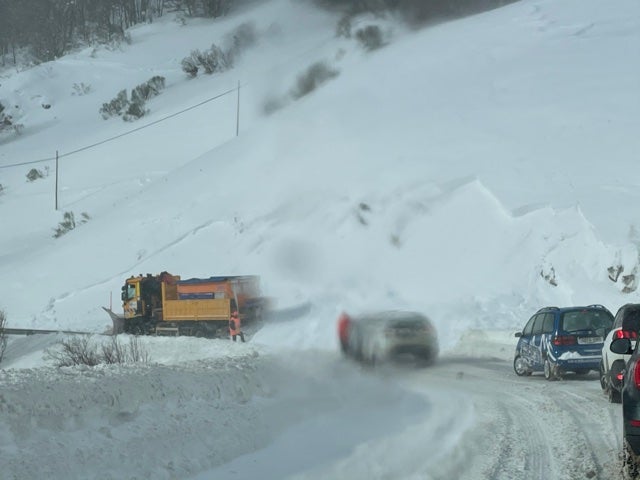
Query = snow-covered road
x=306 y=415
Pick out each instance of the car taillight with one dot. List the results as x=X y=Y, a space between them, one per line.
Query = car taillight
x=626 y=334
x=563 y=340
x=635 y=423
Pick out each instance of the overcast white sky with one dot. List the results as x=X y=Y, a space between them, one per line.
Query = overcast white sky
x=448 y=173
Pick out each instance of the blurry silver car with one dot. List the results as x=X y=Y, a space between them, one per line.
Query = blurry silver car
x=381 y=336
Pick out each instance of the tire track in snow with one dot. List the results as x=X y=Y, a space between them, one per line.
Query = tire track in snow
x=529 y=428
x=605 y=460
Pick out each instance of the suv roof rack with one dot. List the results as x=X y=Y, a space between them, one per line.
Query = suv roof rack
x=597 y=305
x=548 y=308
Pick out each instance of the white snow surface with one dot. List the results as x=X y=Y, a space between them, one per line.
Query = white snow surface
x=475 y=170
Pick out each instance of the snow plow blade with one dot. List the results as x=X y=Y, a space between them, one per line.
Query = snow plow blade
x=118 y=321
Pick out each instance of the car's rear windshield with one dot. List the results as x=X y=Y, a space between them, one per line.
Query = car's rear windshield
x=408 y=323
x=631 y=320
x=577 y=320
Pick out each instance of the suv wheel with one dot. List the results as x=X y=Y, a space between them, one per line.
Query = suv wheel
x=630 y=468
x=614 y=395
x=520 y=366
x=549 y=370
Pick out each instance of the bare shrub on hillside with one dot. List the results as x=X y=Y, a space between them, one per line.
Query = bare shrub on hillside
x=82 y=350
x=343 y=29
x=80 y=89
x=214 y=60
x=370 y=37
x=5 y=120
x=116 y=106
x=7 y=123
x=211 y=61
x=312 y=78
x=68 y=223
x=1 y=189
x=136 y=352
x=241 y=38
x=34 y=174
x=78 y=350
x=113 y=351
x=3 y=335
x=190 y=65
x=133 y=109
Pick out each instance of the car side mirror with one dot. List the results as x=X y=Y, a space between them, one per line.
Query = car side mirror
x=518 y=334
x=621 y=346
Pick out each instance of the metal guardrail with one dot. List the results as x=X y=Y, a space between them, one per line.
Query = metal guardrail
x=33 y=331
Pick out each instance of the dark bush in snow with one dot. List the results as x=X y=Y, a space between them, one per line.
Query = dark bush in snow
x=316 y=75
x=343 y=29
x=5 y=120
x=34 y=174
x=370 y=37
x=135 y=111
x=213 y=60
x=149 y=89
x=190 y=65
x=68 y=223
x=117 y=106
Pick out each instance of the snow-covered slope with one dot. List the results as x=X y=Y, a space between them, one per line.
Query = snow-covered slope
x=450 y=172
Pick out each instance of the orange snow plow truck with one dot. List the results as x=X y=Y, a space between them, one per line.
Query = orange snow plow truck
x=164 y=304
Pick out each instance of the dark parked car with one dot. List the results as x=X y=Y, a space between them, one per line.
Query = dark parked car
x=560 y=340
x=625 y=325
x=630 y=407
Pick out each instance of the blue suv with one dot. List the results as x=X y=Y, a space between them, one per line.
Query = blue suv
x=559 y=340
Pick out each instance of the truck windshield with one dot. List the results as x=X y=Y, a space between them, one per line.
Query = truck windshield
x=130 y=292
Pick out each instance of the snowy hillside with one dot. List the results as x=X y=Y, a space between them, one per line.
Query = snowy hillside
x=447 y=172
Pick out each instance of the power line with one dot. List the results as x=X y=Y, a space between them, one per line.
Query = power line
x=49 y=159
x=110 y=139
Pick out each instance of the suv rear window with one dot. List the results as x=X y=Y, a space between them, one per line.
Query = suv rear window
x=577 y=320
x=408 y=324
x=631 y=320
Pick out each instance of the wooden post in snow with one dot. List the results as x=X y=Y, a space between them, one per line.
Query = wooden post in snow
x=238 y=111
x=56 y=180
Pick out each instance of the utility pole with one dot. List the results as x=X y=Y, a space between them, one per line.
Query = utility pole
x=238 y=111
x=56 y=180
